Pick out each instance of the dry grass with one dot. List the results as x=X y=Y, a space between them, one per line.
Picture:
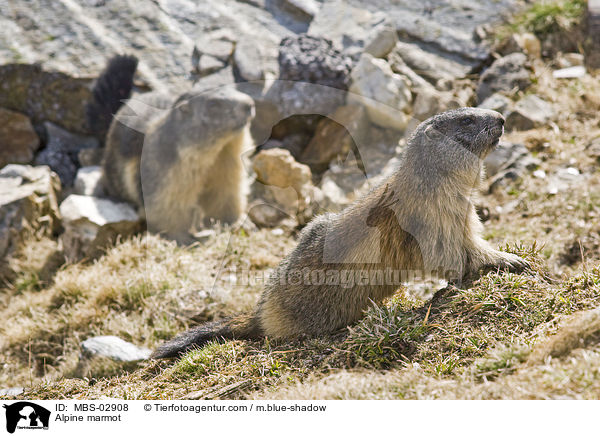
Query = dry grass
x=144 y=290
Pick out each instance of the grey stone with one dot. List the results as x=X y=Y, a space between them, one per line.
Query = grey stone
x=530 y=112
x=427 y=64
x=248 y=61
x=61 y=151
x=313 y=59
x=381 y=40
x=215 y=46
x=428 y=102
x=448 y=27
x=385 y=95
x=114 y=348
x=503 y=157
x=28 y=206
x=505 y=74
x=88 y=181
x=45 y=95
x=92 y=224
x=223 y=77
x=570 y=72
x=304 y=10
x=287 y=183
x=161 y=34
x=564 y=179
x=497 y=102
x=209 y=64
x=507 y=163
x=265 y=215
x=346 y=26
x=399 y=66
x=18 y=140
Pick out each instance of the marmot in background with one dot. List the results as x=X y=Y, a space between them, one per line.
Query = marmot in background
x=422 y=218
x=178 y=160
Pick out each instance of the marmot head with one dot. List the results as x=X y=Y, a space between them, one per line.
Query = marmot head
x=203 y=117
x=456 y=140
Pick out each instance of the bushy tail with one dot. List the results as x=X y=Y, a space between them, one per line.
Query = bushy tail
x=238 y=327
x=110 y=90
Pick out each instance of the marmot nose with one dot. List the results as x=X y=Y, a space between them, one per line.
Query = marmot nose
x=502 y=120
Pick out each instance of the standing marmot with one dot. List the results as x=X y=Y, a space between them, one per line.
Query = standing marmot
x=422 y=218
x=178 y=160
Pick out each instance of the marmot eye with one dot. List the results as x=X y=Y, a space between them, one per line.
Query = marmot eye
x=466 y=121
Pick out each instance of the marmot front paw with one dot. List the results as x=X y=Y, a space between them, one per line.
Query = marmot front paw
x=513 y=263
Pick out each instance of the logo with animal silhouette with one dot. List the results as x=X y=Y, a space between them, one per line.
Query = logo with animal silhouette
x=25 y=415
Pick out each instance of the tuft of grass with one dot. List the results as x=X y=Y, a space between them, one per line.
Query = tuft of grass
x=213 y=357
x=460 y=325
x=500 y=361
x=548 y=16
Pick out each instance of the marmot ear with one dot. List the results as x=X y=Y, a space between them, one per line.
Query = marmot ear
x=432 y=133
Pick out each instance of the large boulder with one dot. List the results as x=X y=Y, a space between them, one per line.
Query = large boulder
x=504 y=75
x=18 y=140
x=385 y=95
x=92 y=224
x=38 y=33
x=46 y=95
x=28 y=206
x=312 y=59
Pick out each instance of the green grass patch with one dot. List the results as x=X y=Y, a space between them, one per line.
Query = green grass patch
x=459 y=326
x=546 y=17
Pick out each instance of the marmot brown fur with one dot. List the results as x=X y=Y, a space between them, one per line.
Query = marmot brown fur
x=180 y=161
x=422 y=218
